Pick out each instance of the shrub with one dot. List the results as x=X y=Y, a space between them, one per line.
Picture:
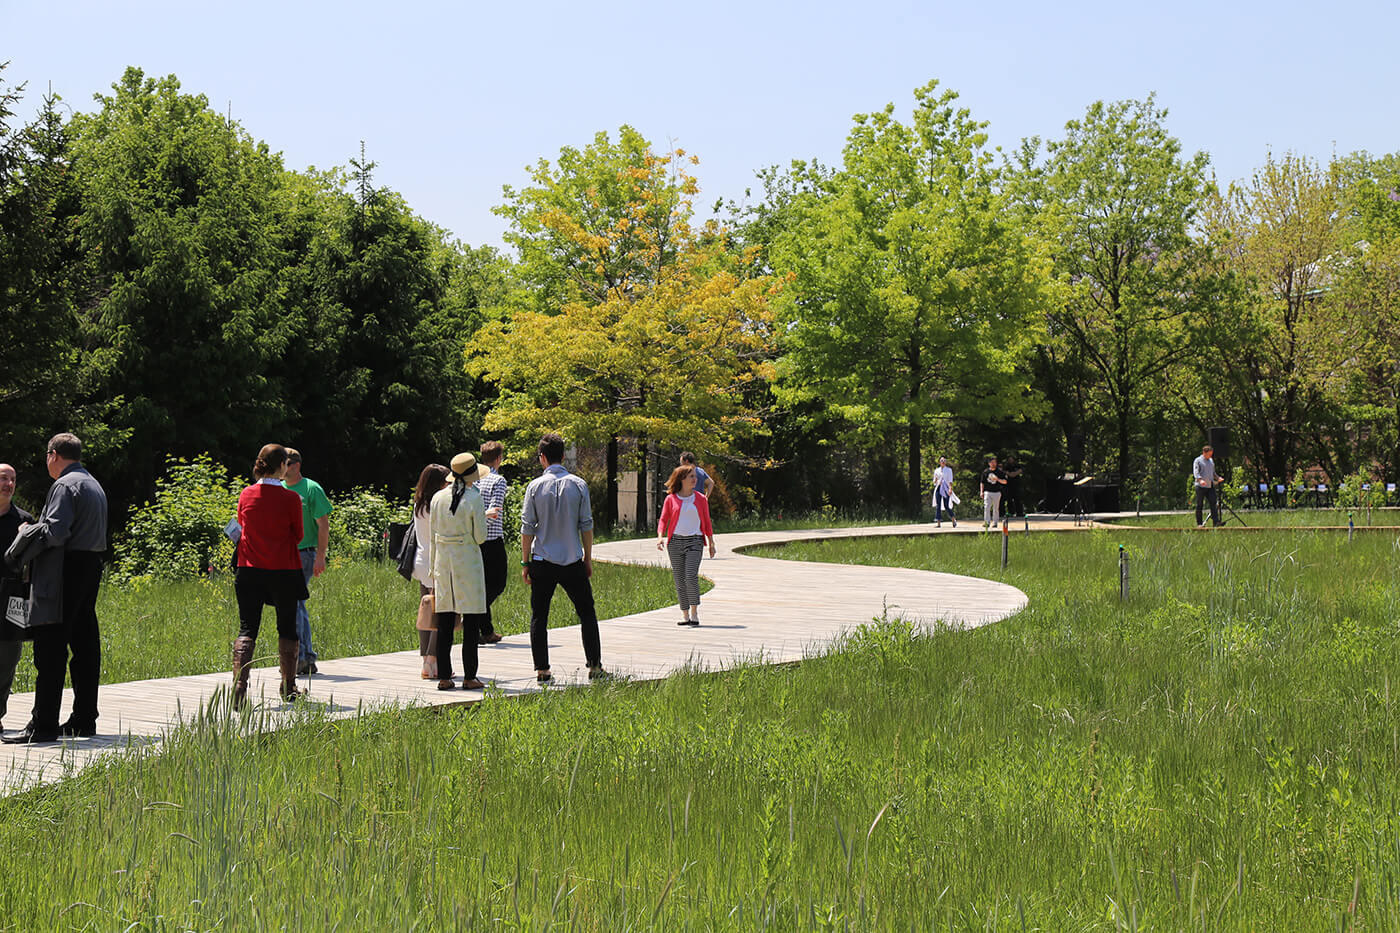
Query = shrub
x=359 y=521
x=179 y=534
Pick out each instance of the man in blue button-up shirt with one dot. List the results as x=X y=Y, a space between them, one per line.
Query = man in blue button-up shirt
x=556 y=549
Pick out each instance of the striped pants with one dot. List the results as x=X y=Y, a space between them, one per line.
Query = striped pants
x=685 y=552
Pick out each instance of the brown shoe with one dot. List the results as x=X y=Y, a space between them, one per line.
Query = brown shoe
x=489 y=639
x=287 y=650
x=473 y=684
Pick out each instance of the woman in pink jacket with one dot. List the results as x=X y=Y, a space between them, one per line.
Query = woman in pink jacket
x=683 y=530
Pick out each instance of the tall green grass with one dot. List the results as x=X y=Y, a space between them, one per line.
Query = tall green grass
x=1220 y=752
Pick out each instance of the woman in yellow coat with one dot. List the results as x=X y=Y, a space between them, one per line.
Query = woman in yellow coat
x=457 y=522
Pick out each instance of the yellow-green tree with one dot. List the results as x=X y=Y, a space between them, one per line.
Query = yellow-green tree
x=631 y=323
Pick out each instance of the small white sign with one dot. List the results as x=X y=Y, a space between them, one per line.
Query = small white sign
x=17 y=611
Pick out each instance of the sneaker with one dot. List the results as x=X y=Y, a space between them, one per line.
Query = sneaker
x=683 y=621
x=693 y=623
x=307 y=667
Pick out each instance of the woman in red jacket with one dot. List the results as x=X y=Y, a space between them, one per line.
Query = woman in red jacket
x=682 y=531
x=269 y=570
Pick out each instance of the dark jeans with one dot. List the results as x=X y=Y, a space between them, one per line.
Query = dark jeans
x=1211 y=495
x=82 y=574
x=1011 y=503
x=942 y=502
x=493 y=563
x=446 y=623
x=544 y=577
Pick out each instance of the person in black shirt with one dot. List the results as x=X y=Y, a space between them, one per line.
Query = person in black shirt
x=1013 y=506
x=991 y=485
x=11 y=635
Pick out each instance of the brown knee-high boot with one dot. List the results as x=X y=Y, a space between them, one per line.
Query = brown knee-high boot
x=243 y=647
x=287 y=650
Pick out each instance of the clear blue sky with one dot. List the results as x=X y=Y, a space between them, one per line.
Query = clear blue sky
x=453 y=100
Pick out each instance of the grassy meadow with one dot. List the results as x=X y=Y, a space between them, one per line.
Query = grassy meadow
x=1220 y=752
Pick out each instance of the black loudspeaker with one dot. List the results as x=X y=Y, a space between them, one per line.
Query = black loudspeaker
x=1219 y=438
x=1076 y=450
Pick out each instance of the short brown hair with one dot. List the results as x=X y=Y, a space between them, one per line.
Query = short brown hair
x=492 y=452
x=677 y=477
x=66 y=446
x=270 y=459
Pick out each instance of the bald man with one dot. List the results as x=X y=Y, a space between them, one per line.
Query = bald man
x=11 y=635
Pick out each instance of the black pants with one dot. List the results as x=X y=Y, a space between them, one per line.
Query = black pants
x=1011 y=504
x=82 y=575
x=493 y=564
x=1211 y=495
x=446 y=623
x=252 y=594
x=544 y=577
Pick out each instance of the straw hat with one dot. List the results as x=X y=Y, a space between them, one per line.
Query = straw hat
x=464 y=466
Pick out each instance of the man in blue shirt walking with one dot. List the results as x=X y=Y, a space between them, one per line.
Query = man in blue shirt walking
x=556 y=549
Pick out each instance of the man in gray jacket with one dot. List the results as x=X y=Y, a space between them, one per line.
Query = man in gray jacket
x=63 y=604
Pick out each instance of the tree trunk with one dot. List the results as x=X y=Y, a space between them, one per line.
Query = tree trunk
x=641 y=484
x=610 y=515
x=915 y=501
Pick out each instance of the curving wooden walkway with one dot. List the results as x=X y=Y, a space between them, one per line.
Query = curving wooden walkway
x=760 y=610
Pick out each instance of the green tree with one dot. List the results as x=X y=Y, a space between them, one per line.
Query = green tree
x=1118 y=202
x=1277 y=234
x=1360 y=334
x=915 y=290
x=37 y=268
x=379 y=305
x=181 y=320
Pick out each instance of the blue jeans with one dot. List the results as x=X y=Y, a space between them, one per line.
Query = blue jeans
x=941 y=503
x=308 y=563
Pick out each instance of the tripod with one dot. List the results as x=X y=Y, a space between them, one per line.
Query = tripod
x=1075 y=503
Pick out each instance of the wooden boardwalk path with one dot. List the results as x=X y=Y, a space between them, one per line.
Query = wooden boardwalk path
x=760 y=610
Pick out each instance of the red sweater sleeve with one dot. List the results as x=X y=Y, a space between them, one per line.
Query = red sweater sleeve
x=670 y=511
x=702 y=505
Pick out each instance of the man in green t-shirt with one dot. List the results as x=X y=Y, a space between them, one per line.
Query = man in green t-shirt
x=316 y=531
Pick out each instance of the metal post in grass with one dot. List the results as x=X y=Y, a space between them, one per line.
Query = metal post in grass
x=1122 y=573
x=1026 y=518
x=1005 y=539
x=1351 y=526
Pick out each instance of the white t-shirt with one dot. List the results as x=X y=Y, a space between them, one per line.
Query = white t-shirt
x=422 y=560
x=942 y=479
x=689 y=521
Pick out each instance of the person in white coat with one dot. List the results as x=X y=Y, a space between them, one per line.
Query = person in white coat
x=943 y=498
x=457 y=527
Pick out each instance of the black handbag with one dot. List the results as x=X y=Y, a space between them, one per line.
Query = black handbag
x=408 y=553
